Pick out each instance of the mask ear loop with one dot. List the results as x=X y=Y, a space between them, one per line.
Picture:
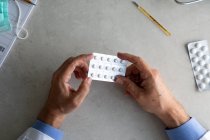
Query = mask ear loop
x=19 y=30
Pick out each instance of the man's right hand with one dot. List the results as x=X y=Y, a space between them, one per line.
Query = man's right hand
x=145 y=85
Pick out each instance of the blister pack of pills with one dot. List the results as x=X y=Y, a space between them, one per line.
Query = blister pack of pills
x=106 y=67
x=199 y=56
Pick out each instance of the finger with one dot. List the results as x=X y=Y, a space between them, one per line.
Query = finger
x=139 y=63
x=131 y=70
x=129 y=86
x=83 y=89
x=70 y=65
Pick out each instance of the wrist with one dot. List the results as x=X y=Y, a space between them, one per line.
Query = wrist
x=51 y=117
x=174 y=117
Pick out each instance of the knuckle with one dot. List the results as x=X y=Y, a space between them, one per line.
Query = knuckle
x=155 y=73
x=75 y=103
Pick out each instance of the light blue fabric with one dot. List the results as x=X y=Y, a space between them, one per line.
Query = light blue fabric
x=4 y=16
x=191 y=130
x=48 y=130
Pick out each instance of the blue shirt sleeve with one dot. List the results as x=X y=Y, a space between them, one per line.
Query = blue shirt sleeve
x=48 y=130
x=191 y=130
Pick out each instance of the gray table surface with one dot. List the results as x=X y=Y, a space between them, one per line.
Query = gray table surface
x=63 y=28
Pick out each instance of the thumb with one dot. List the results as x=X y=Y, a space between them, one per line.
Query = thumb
x=84 y=88
x=129 y=86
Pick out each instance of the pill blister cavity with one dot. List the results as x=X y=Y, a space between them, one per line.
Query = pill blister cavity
x=202 y=86
x=105 y=76
x=120 y=70
x=207 y=80
x=197 y=68
x=199 y=77
x=100 y=67
x=197 y=45
x=193 y=51
x=207 y=66
x=92 y=74
x=201 y=62
x=113 y=68
x=206 y=57
x=93 y=66
x=115 y=60
x=204 y=48
x=99 y=75
x=194 y=59
x=199 y=54
x=108 y=59
x=102 y=58
x=204 y=71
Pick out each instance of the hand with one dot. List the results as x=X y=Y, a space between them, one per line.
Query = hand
x=147 y=88
x=63 y=99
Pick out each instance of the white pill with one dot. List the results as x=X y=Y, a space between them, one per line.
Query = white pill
x=99 y=76
x=199 y=54
x=113 y=68
x=92 y=74
x=193 y=51
x=115 y=60
x=95 y=57
x=207 y=66
x=197 y=68
x=206 y=80
x=197 y=45
x=204 y=48
x=105 y=76
x=201 y=62
x=108 y=59
x=93 y=66
x=112 y=77
x=194 y=59
x=202 y=86
x=206 y=57
x=204 y=71
x=100 y=67
x=199 y=77
x=120 y=70
x=121 y=61
x=102 y=58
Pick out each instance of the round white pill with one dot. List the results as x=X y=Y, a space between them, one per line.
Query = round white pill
x=205 y=57
x=92 y=74
x=112 y=77
x=106 y=67
x=197 y=68
x=194 y=59
x=100 y=67
x=204 y=71
x=120 y=70
x=206 y=80
x=105 y=76
x=102 y=58
x=197 y=45
x=207 y=66
x=204 y=48
x=202 y=86
x=113 y=68
x=199 y=77
x=199 y=54
x=99 y=76
x=93 y=66
x=201 y=62
x=193 y=51
x=95 y=57
x=121 y=61
x=115 y=60
x=108 y=59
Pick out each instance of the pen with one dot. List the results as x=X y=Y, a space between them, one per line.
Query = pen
x=29 y=2
x=142 y=10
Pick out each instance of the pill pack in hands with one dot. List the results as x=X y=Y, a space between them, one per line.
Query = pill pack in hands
x=106 y=67
x=199 y=56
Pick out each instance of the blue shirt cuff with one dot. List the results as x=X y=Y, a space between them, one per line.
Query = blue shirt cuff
x=48 y=130
x=191 y=130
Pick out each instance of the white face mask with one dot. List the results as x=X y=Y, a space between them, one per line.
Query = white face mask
x=4 y=16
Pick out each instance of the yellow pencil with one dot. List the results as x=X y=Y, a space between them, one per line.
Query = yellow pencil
x=142 y=10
